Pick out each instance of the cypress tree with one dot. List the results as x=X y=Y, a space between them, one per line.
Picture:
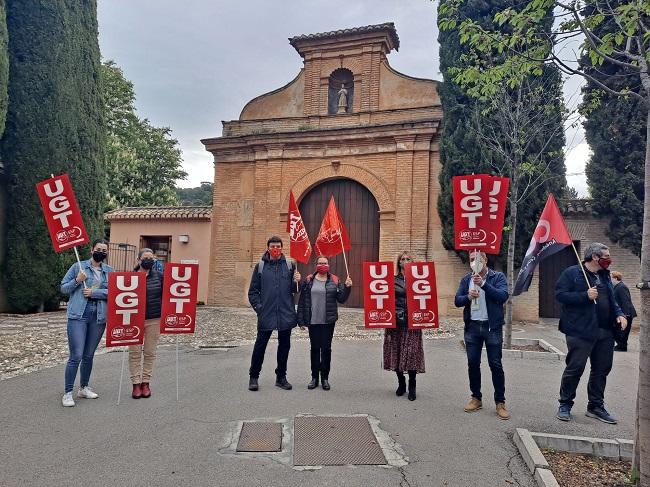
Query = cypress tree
x=4 y=66
x=615 y=129
x=463 y=152
x=54 y=125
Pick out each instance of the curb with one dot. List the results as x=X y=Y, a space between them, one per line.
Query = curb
x=529 y=445
x=552 y=354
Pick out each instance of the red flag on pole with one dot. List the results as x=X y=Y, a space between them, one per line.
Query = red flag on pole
x=299 y=246
x=333 y=237
x=551 y=235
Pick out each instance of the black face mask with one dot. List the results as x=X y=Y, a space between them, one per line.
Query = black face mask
x=99 y=256
x=147 y=264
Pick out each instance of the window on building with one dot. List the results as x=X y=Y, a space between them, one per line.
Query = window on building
x=160 y=244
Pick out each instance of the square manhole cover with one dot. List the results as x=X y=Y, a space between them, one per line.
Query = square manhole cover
x=320 y=440
x=260 y=437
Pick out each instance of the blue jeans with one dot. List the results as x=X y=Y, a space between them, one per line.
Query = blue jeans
x=84 y=336
x=477 y=333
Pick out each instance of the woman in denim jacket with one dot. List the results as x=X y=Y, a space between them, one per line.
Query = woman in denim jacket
x=87 y=286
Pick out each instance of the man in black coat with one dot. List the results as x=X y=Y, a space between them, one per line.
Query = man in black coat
x=624 y=300
x=590 y=316
x=273 y=285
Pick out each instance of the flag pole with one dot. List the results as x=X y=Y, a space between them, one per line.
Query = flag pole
x=177 y=367
x=345 y=259
x=582 y=267
x=76 y=252
x=119 y=391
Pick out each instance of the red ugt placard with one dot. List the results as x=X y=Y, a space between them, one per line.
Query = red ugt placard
x=127 y=301
x=379 y=294
x=421 y=295
x=179 y=298
x=61 y=213
x=479 y=209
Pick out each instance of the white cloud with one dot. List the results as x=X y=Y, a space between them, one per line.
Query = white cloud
x=576 y=160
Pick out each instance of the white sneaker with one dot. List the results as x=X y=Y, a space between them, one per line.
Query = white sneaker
x=87 y=392
x=67 y=400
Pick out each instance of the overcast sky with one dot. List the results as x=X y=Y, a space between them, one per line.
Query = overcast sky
x=197 y=62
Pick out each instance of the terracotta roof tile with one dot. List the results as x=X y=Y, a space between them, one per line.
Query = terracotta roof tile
x=161 y=212
x=389 y=26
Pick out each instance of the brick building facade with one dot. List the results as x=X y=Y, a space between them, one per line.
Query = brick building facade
x=382 y=136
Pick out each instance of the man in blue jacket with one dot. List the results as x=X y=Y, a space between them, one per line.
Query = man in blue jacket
x=590 y=316
x=273 y=285
x=482 y=293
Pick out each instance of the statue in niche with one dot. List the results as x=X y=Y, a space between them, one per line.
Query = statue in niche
x=343 y=100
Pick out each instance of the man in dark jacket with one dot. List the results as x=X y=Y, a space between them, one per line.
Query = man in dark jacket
x=273 y=285
x=589 y=318
x=624 y=300
x=482 y=294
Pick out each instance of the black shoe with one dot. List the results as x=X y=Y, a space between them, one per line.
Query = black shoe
x=252 y=384
x=326 y=385
x=620 y=348
x=401 y=385
x=313 y=384
x=282 y=383
x=411 y=395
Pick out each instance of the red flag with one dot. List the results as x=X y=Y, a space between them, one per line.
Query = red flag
x=181 y=283
x=479 y=208
x=299 y=246
x=551 y=235
x=332 y=237
x=62 y=213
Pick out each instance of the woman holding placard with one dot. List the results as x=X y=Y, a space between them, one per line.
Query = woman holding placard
x=87 y=284
x=318 y=310
x=403 y=348
x=141 y=357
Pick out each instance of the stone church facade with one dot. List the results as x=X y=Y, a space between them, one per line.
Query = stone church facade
x=347 y=125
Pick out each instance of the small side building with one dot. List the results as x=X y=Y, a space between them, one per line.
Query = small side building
x=174 y=233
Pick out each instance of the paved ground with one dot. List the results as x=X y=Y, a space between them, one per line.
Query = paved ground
x=166 y=443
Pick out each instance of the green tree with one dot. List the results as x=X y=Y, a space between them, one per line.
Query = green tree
x=526 y=50
x=199 y=196
x=501 y=136
x=54 y=125
x=143 y=161
x=615 y=129
x=4 y=65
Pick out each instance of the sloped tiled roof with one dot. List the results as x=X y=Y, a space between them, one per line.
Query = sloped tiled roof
x=161 y=212
x=389 y=26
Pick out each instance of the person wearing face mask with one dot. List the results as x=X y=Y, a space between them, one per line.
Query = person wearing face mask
x=482 y=294
x=403 y=348
x=273 y=285
x=624 y=300
x=87 y=285
x=141 y=357
x=590 y=317
x=318 y=310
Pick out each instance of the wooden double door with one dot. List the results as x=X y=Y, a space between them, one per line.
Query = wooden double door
x=360 y=214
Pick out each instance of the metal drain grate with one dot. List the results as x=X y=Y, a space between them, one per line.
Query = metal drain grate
x=320 y=440
x=260 y=437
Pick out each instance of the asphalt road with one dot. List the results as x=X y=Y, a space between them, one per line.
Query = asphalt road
x=162 y=442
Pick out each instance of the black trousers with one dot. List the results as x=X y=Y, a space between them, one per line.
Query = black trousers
x=262 y=340
x=600 y=352
x=621 y=336
x=320 y=339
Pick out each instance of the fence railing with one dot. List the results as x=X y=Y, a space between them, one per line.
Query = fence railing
x=122 y=257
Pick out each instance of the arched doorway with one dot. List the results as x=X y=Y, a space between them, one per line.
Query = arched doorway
x=360 y=213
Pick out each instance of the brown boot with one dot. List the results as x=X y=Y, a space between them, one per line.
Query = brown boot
x=137 y=391
x=502 y=412
x=473 y=405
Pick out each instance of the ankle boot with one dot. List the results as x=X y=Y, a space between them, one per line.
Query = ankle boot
x=411 y=395
x=146 y=391
x=401 y=384
x=137 y=391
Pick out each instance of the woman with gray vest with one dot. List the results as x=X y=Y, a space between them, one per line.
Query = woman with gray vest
x=141 y=357
x=318 y=310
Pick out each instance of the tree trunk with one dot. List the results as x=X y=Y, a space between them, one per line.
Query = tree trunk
x=510 y=261
x=643 y=417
